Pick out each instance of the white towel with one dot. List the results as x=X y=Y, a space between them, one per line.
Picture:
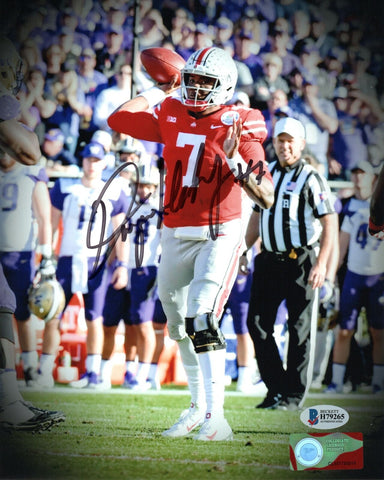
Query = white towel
x=79 y=273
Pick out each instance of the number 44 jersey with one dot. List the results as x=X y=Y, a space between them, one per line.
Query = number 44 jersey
x=366 y=253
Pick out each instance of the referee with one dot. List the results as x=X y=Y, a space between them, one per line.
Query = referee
x=297 y=236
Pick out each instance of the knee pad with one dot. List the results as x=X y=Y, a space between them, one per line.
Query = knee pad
x=207 y=321
x=205 y=333
x=206 y=341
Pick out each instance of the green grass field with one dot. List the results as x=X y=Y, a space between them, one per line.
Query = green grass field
x=117 y=435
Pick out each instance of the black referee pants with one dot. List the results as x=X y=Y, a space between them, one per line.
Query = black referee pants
x=276 y=278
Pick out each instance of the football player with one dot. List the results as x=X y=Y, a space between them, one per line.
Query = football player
x=79 y=269
x=117 y=301
x=137 y=306
x=213 y=153
x=363 y=286
x=25 y=200
x=23 y=145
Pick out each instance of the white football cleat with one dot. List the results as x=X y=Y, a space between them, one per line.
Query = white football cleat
x=128 y=379
x=333 y=388
x=104 y=385
x=87 y=380
x=214 y=430
x=138 y=387
x=154 y=384
x=189 y=419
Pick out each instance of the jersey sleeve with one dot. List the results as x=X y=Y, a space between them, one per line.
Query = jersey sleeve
x=321 y=197
x=254 y=127
x=254 y=133
x=140 y=125
x=120 y=205
x=38 y=174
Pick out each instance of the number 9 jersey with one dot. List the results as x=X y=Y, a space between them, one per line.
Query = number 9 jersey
x=16 y=213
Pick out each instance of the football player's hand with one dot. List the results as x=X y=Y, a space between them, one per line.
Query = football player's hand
x=376 y=230
x=119 y=278
x=170 y=87
x=243 y=265
x=317 y=276
x=375 y=234
x=47 y=267
x=231 y=143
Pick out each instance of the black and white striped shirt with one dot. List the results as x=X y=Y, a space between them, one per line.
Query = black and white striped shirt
x=302 y=196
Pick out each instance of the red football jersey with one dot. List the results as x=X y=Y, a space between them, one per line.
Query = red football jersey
x=200 y=189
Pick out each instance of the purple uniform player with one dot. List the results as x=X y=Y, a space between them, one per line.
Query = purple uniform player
x=139 y=306
x=85 y=227
x=22 y=144
x=24 y=201
x=363 y=287
x=238 y=303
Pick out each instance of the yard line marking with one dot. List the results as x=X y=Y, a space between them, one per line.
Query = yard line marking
x=160 y=459
x=171 y=391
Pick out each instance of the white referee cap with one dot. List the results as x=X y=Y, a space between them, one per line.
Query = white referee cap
x=291 y=126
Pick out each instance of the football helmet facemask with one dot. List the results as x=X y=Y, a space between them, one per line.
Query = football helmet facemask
x=216 y=64
x=129 y=146
x=46 y=299
x=147 y=174
x=11 y=66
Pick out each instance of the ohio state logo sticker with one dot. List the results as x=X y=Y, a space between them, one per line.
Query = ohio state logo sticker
x=228 y=118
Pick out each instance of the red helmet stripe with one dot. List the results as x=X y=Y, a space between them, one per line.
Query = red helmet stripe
x=199 y=59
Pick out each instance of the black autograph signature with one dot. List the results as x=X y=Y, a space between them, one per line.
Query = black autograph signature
x=178 y=197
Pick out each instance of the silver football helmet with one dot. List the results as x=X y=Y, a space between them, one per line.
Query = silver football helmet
x=46 y=299
x=11 y=66
x=214 y=63
x=147 y=174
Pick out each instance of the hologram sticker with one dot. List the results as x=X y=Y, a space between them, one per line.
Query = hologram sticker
x=326 y=451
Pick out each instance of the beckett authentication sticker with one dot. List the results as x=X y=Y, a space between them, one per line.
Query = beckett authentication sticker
x=326 y=451
x=324 y=417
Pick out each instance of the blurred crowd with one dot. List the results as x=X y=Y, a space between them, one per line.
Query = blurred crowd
x=319 y=61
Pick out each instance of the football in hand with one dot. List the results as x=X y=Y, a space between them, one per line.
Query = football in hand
x=162 y=64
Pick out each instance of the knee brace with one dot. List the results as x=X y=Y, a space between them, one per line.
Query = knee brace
x=205 y=333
